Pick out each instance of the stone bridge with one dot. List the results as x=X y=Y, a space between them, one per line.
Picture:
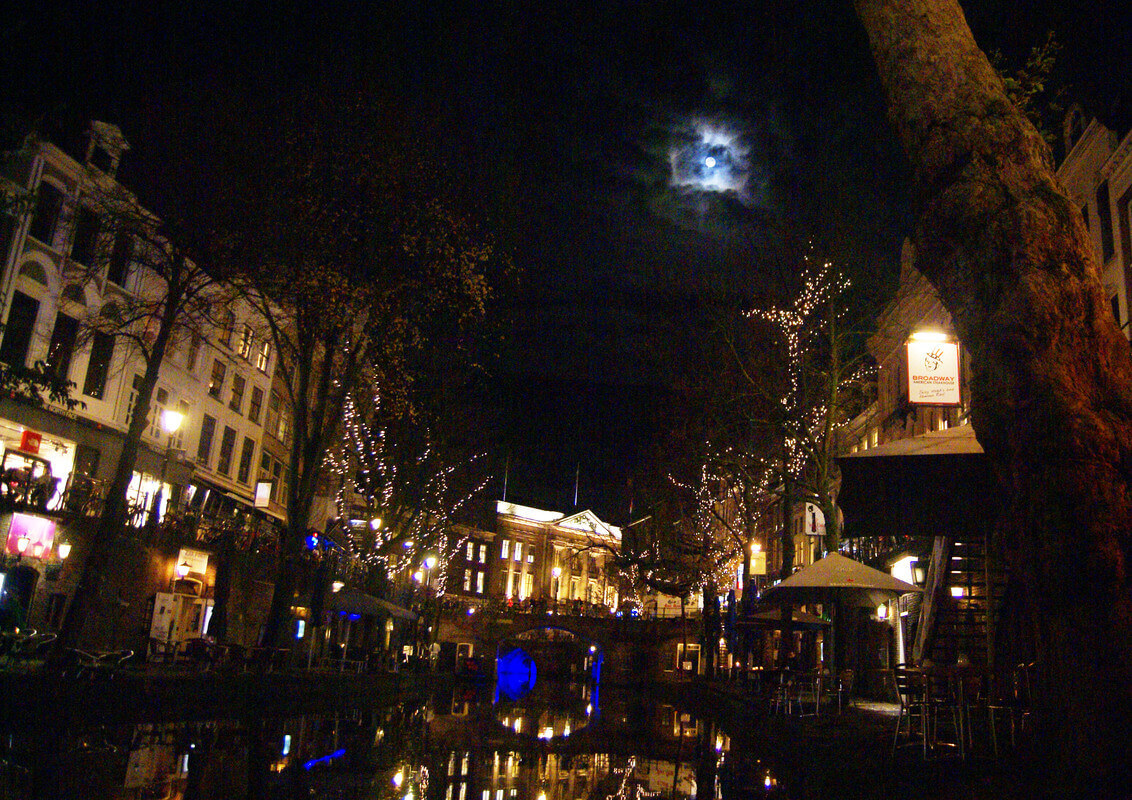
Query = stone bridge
x=628 y=645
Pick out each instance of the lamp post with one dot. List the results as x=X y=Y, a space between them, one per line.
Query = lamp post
x=170 y=423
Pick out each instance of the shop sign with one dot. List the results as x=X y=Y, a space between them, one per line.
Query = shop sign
x=262 y=494
x=196 y=559
x=30 y=441
x=815 y=520
x=933 y=373
x=39 y=530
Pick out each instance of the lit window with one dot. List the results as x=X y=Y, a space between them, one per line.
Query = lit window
x=468 y=553
x=483 y=553
x=467 y=580
x=263 y=356
x=246 y=342
x=505 y=549
x=518 y=551
x=479 y=582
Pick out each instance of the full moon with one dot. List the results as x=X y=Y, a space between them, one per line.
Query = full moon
x=711 y=158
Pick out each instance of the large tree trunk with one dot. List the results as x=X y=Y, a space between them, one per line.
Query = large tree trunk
x=1052 y=375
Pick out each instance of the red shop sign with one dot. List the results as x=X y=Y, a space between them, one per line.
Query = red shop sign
x=29 y=442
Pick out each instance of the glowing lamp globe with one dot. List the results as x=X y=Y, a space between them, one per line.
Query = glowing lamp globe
x=171 y=421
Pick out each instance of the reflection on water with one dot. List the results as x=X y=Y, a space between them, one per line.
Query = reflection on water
x=474 y=742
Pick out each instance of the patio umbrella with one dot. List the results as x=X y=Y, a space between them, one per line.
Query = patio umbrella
x=836 y=577
x=772 y=618
x=835 y=580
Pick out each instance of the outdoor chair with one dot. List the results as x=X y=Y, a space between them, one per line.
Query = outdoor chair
x=911 y=693
x=812 y=688
x=29 y=646
x=945 y=704
x=784 y=693
x=1011 y=699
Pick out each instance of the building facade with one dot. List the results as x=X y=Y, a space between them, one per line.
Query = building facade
x=538 y=555
x=66 y=265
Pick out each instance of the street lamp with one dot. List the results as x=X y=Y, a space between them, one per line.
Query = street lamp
x=171 y=423
x=64 y=550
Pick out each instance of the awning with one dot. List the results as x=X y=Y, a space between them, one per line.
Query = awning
x=936 y=484
x=355 y=602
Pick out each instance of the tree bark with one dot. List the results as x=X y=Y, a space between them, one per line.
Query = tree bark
x=1052 y=374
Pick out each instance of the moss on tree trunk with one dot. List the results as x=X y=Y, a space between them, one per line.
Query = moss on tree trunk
x=1052 y=374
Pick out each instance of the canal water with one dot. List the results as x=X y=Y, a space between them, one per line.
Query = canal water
x=518 y=738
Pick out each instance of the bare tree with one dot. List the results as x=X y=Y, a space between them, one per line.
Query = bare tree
x=351 y=255
x=166 y=294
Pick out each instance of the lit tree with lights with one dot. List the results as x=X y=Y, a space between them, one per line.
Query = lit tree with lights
x=816 y=384
x=413 y=483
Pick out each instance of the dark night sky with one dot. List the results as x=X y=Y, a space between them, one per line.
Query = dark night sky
x=564 y=118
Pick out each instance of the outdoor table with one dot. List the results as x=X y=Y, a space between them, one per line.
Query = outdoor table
x=951 y=683
x=816 y=681
x=101 y=659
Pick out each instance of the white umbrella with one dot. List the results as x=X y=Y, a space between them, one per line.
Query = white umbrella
x=840 y=578
x=834 y=579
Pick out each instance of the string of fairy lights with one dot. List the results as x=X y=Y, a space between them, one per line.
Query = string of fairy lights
x=735 y=486
x=406 y=483
x=730 y=490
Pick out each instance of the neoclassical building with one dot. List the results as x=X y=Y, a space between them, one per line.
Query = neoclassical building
x=534 y=554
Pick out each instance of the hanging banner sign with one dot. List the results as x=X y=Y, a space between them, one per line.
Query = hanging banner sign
x=262 y=494
x=933 y=373
x=30 y=441
x=196 y=560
